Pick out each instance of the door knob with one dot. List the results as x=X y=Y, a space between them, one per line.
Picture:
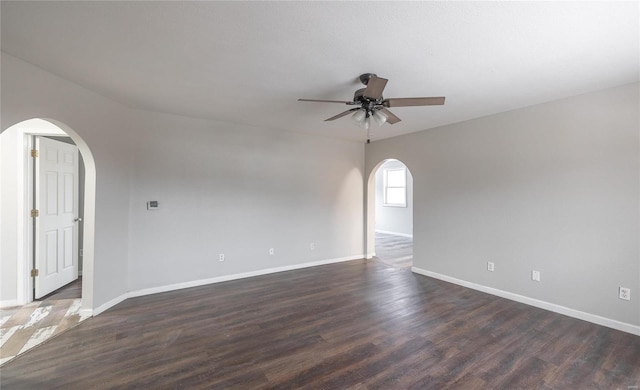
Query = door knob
x=77 y=220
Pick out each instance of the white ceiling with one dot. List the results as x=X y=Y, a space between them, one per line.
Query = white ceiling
x=248 y=62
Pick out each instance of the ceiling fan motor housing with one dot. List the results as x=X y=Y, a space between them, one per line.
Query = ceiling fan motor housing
x=366 y=103
x=364 y=78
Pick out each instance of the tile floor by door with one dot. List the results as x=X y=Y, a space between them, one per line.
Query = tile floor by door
x=24 y=327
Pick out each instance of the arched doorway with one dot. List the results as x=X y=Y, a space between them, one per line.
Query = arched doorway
x=390 y=214
x=17 y=229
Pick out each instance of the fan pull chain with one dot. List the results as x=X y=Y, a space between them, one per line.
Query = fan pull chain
x=368 y=135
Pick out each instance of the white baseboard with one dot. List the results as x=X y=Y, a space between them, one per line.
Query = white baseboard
x=86 y=313
x=8 y=303
x=610 y=323
x=219 y=279
x=371 y=255
x=394 y=233
x=226 y=278
x=110 y=304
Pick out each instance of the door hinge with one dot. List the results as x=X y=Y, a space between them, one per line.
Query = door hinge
x=35 y=213
x=34 y=153
x=34 y=272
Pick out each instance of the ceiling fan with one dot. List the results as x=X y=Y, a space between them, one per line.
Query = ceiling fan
x=370 y=103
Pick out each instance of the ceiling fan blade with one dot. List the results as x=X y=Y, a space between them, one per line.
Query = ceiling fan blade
x=375 y=86
x=418 y=101
x=391 y=118
x=342 y=114
x=325 y=101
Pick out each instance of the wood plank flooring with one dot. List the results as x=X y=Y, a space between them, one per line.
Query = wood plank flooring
x=72 y=290
x=396 y=251
x=353 y=325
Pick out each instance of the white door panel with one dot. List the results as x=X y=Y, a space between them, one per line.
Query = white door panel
x=56 y=244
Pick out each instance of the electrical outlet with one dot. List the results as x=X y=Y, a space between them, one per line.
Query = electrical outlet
x=535 y=275
x=490 y=266
x=271 y=251
x=625 y=293
x=312 y=246
x=221 y=257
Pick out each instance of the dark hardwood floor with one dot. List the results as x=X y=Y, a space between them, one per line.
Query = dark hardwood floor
x=359 y=325
x=72 y=290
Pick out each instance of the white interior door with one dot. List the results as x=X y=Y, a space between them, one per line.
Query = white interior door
x=56 y=199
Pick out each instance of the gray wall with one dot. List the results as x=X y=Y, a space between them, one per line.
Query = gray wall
x=552 y=187
x=390 y=218
x=237 y=190
x=222 y=188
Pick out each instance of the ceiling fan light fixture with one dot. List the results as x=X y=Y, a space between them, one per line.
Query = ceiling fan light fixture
x=359 y=116
x=366 y=123
x=380 y=117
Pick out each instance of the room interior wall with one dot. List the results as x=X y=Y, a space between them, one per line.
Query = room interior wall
x=553 y=187
x=393 y=219
x=222 y=188
x=238 y=191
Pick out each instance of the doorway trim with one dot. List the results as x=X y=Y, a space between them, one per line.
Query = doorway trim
x=24 y=261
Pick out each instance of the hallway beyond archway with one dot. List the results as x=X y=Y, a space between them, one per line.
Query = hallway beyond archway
x=393 y=250
x=390 y=207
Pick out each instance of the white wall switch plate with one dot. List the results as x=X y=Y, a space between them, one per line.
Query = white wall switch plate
x=312 y=246
x=271 y=251
x=221 y=257
x=535 y=275
x=490 y=266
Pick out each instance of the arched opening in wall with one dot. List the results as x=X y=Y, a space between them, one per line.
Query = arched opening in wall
x=392 y=202
x=47 y=230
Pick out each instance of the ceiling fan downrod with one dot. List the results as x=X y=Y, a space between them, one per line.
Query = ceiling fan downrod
x=365 y=77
